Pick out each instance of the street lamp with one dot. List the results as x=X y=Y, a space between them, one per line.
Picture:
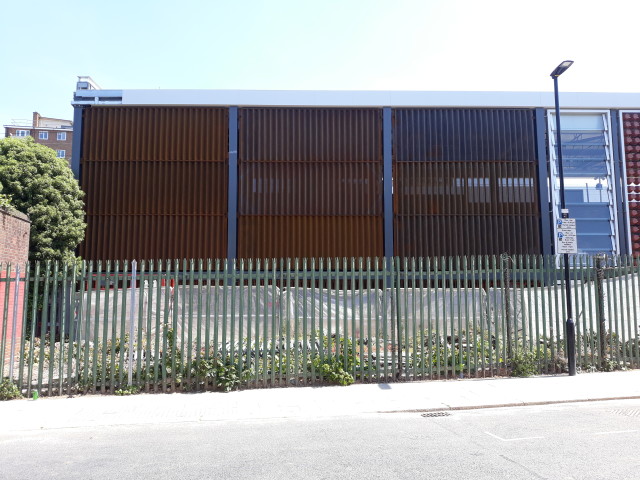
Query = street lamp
x=571 y=326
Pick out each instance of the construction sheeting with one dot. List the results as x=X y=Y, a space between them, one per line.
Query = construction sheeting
x=338 y=311
x=440 y=310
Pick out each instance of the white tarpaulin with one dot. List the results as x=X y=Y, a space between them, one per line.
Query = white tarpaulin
x=337 y=311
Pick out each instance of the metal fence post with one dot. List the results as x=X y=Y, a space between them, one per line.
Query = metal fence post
x=602 y=323
x=506 y=291
x=14 y=322
x=132 y=311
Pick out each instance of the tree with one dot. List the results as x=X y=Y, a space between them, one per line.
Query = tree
x=41 y=185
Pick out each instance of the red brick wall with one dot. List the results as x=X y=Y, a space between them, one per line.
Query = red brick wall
x=14 y=249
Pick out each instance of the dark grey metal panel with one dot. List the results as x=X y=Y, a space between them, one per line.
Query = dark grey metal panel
x=232 y=215
x=387 y=159
x=76 y=146
x=546 y=212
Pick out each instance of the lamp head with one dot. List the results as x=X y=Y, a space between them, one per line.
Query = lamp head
x=560 y=69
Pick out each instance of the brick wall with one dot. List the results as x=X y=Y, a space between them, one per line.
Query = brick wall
x=14 y=250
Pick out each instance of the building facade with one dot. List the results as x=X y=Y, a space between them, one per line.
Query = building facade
x=213 y=174
x=54 y=133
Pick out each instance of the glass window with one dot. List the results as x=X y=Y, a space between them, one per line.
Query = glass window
x=62 y=135
x=43 y=135
x=61 y=153
x=589 y=186
x=22 y=133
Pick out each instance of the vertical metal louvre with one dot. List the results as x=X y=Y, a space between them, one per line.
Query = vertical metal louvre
x=310 y=182
x=465 y=182
x=155 y=180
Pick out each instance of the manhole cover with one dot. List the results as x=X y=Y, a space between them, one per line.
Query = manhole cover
x=436 y=414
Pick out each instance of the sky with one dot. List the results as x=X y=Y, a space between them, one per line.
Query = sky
x=476 y=45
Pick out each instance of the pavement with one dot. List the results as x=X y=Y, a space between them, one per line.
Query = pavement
x=313 y=402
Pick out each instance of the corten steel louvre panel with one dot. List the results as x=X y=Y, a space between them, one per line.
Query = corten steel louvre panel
x=310 y=188
x=310 y=135
x=465 y=182
x=466 y=188
x=310 y=182
x=464 y=135
x=440 y=235
x=309 y=237
x=127 y=188
x=156 y=182
x=631 y=133
x=155 y=134
x=120 y=237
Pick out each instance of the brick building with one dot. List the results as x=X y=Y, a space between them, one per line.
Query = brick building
x=14 y=251
x=55 y=133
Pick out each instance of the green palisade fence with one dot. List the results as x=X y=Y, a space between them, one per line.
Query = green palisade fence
x=169 y=325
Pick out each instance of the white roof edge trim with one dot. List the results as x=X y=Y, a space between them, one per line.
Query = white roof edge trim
x=327 y=98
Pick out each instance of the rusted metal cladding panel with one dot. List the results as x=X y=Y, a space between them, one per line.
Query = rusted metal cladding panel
x=631 y=131
x=155 y=134
x=153 y=236
x=465 y=182
x=310 y=182
x=310 y=135
x=310 y=188
x=155 y=188
x=307 y=236
x=156 y=181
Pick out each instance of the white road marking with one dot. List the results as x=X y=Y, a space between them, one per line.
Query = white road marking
x=511 y=439
x=618 y=431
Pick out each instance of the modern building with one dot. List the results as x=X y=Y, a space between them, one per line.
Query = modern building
x=55 y=133
x=212 y=174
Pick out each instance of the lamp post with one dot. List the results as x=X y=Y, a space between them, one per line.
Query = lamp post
x=571 y=326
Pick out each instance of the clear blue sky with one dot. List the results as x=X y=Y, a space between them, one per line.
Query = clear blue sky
x=324 y=45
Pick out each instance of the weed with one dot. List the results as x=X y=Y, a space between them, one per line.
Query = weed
x=128 y=390
x=332 y=371
x=9 y=390
x=226 y=375
x=523 y=364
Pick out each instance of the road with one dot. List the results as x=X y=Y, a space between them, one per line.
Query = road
x=591 y=440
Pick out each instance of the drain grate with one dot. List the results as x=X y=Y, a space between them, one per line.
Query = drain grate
x=436 y=414
x=627 y=413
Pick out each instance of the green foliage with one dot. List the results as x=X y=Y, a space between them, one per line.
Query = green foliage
x=8 y=390
x=42 y=186
x=128 y=390
x=334 y=368
x=332 y=371
x=5 y=200
x=226 y=375
x=433 y=352
x=610 y=365
x=524 y=364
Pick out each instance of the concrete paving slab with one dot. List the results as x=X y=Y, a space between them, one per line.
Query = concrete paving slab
x=313 y=402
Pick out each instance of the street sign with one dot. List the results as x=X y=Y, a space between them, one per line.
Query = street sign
x=567 y=238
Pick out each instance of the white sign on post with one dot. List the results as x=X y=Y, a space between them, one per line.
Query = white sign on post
x=567 y=238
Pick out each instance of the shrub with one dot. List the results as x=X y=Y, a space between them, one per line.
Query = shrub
x=523 y=364
x=332 y=371
x=8 y=390
x=226 y=375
